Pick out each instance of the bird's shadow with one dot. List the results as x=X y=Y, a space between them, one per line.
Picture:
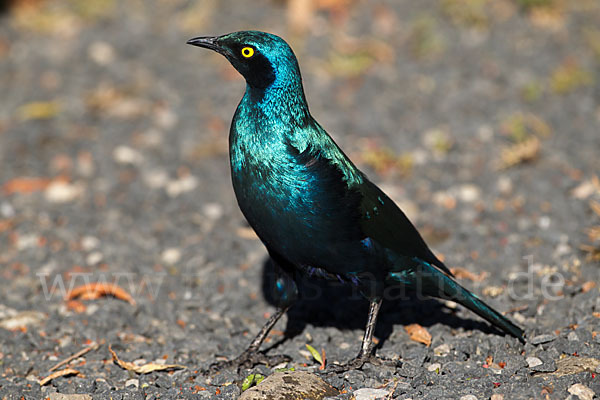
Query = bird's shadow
x=325 y=303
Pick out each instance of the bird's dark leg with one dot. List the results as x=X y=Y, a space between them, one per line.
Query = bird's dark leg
x=366 y=350
x=285 y=293
x=251 y=356
x=367 y=343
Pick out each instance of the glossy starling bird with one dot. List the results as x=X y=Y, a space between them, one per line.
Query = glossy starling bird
x=316 y=213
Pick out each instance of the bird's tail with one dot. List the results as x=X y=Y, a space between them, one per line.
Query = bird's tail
x=432 y=282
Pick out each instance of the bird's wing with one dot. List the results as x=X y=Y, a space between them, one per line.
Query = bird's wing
x=384 y=222
x=379 y=218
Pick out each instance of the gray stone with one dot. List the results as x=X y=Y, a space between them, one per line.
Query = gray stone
x=546 y=366
x=572 y=336
x=60 y=396
x=370 y=394
x=581 y=391
x=290 y=385
x=539 y=339
x=533 y=362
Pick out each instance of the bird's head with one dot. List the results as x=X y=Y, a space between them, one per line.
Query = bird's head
x=262 y=58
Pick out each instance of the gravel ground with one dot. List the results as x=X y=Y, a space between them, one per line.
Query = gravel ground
x=481 y=118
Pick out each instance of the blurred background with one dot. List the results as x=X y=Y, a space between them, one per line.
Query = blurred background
x=480 y=118
x=460 y=108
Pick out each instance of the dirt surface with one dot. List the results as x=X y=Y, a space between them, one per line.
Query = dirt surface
x=480 y=118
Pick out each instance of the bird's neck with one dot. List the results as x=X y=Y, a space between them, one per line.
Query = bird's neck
x=282 y=102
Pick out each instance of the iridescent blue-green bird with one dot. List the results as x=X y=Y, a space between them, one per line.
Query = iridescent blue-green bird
x=316 y=213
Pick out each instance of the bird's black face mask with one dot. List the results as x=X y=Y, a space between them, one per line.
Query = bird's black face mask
x=254 y=66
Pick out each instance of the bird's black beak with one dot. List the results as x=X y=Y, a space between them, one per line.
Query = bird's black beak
x=208 y=42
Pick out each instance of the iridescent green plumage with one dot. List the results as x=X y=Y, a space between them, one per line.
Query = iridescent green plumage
x=316 y=213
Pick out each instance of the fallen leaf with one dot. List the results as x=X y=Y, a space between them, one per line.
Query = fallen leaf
x=571 y=366
x=586 y=189
x=519 y=153
x=587 y=286
x=461 y=273
x=593 y=252
x=142 y=369
x=418 y=334
x=77 y=306
x=492 y=291
x=99 y=289
x=38 y=110
x=316 y=355
x=58 y=374
x=595 y=206
x=25 y=185
x=252 y=380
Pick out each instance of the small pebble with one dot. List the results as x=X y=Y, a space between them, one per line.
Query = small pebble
x=171 y=256
x=156 y=178
x=434 y=367
x=182 y=185
x=539 y=339
x=7 y=210
x=62 y=192
x=370 y=394
x=547 y=366
x=544 y=222
x=442 y=350
x=127 y=155
x=94 y=258
x=468 y=397
x=504 y=185
x=89 y=242
x=533 y=362
x=101 y=53
x=497 y=397
x=213 y=211
x=132 y=382
x=469 y=193
x=581 y=391
x=572 y=336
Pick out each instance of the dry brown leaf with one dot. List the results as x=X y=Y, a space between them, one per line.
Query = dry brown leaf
x=492 y=291
x=418 y=334
x=77 y=306
x=461 y=273
x=521 y=152
x=58 y=374
x=595 y=206
x=25 y=185
x=95 y=290
x=593 y=253
x=38 y=110
x=6 y=224
x=142 y=369
x=594 y=233
x=587 y=286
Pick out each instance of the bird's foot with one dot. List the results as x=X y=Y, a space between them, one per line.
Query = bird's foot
x=247 y=360
x=359 y=361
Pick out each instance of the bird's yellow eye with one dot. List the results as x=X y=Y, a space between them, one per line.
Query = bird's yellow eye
x=247 y=52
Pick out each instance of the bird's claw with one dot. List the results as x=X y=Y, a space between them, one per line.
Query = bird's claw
x=248 y=360
x=359 y=361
